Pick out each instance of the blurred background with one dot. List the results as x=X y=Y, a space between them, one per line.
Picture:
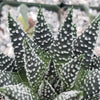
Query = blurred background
x=55 y=11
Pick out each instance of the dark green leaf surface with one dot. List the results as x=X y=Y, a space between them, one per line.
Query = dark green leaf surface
x=6 y=63
x=89 y=84
x=17 y=37
x=33 y=66
x=46 y=91
x=17 y=92
x=62 y=46
x=8 y=78
x=42 y=35
x=85 y=43
x=53 y=78
x=95 y=63
x=69 y=71
x=96 y=97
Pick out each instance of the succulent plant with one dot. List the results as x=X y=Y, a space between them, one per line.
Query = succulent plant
x=45 y=68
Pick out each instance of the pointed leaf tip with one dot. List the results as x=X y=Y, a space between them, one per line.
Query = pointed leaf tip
x=9 y=14
x=42 y=35
x=9 y=17
x=39 y=8
x=71 y=10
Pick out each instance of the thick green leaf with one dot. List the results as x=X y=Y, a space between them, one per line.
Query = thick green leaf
x=46 y=91
x=84 y=44
x=62 y=46
x=89 y=83
x=42 y=35
x=43 y=55
x=96 y=97
x=17 y=37
x=95 y=63
x=69 y=71
x=33 y=65
x=42 y=38
x=52 y=77
x=17 y=92
x=70 y=95
x=8 y=78
x=6 y=63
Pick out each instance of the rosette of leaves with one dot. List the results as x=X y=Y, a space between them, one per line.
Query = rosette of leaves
x=33 y=73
